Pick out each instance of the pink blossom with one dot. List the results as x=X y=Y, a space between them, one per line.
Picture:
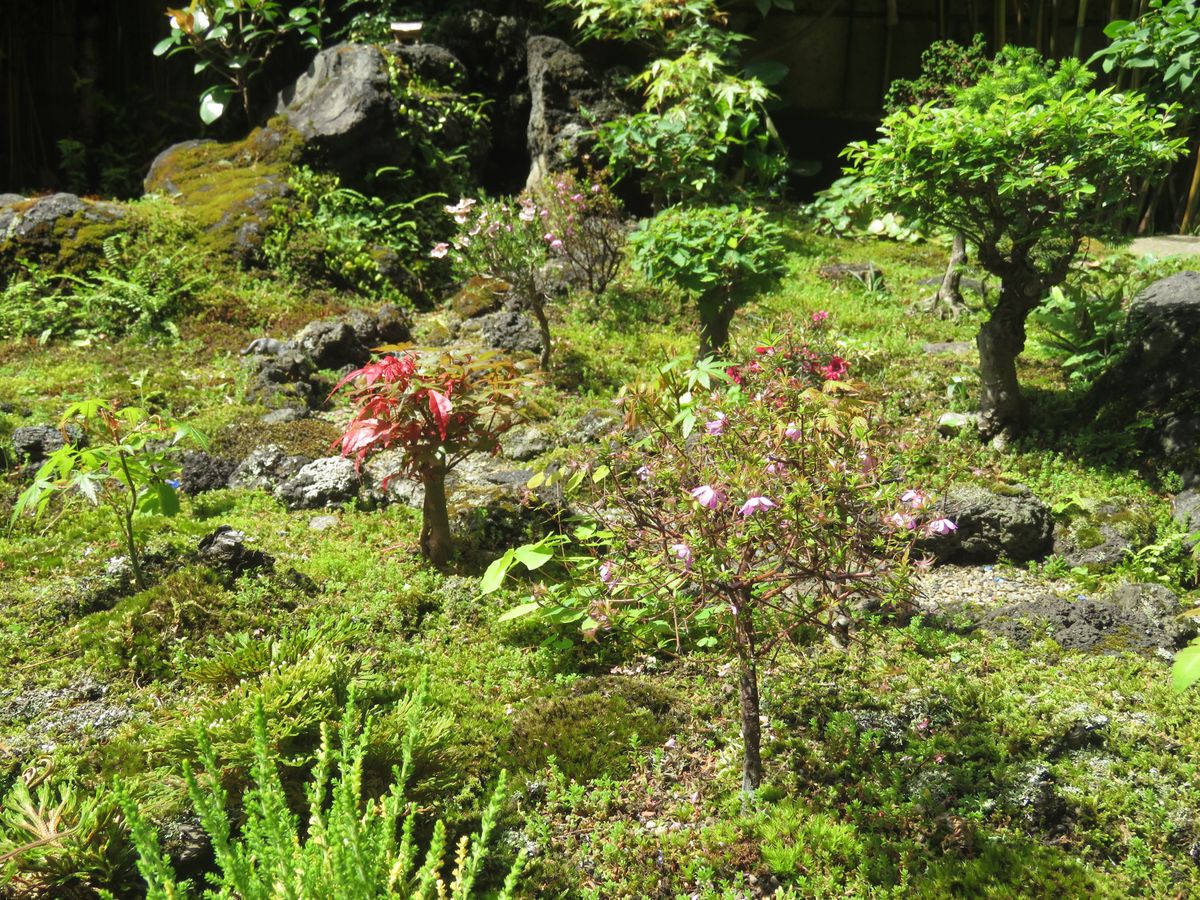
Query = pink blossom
x=575 y=198
x=548 y=237
x=914 y=498
x=606 y=573
x=756 y=504
x=682 y=552
x=643 y=473
x=595 y=188
x=940 y=527
x=820 y=317
x=902 y=521
x=717 y=425
x=439 y=250
x=528 y=212
x=836 y=369
x=556 y=244
x=776 y=467
x=707 y=496
x=793 y=432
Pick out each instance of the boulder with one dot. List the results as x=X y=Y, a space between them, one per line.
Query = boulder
x=1097 y=534
x=525 y=443
x=230 y=189
x=1160 y=606
x=266 y=467
x=204 y=472
x=506 y=329
x=284 y=380
x=323 y=483
x=1185 y=509
x=561 y=86
x=226 y=549
x=1013 y=525
x=343 y=108
x=61 y=231
x=595 y=424
x=34 y=443
x=331 y=345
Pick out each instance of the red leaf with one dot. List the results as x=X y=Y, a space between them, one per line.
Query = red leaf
x=440 y=406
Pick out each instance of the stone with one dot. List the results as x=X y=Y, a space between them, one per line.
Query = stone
x=508 y=330
x=332 y=344
x=1013 y=525
x=343 y=108
x=595 y=424
x=283 y=380
x=864 y=273
x=429 y=62
x=34 y=443
x=1185 y=509
x=478 y=295
x=226 y=549
x=1158 y=604
x=561 y=86
x=326 y=482
x=322 y=523
x=204 y=472
x=525 y=443
x=1037 y=802
x=266 y=467
x=59 y=230
x=956 y=348
x=1098 y=534
x=285 y=414
x=951 y=424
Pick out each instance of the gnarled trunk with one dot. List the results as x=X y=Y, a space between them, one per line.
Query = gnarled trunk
x=436 y=545
x=1002 y=409
x=538 y=306
x=743 y=623
x=947 y=302
x=716 y=312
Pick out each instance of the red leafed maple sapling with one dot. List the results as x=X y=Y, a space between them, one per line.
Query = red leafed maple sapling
x=436 y=409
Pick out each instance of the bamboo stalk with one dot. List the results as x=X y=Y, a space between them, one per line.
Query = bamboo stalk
x=1080 y=22
x=1053 y=27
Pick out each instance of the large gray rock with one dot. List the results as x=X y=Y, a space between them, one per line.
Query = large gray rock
x=331 y=345
x=343 y=108
x=1160 y=606
x=1186 y=510
x=53 y=225
x=561 y=86
x=33 y=443
x=1098 y=534
x=1014 y=525
x=266 y=467
x=283 y=380
x=323 y=483
x=507 y=330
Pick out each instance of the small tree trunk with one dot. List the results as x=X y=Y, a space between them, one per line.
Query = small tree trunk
x=539 y=312
x=436 y=545
x=743 y=623
x=947 y=302
x=716 y=312
x=1193 y=198
x=1002 y=409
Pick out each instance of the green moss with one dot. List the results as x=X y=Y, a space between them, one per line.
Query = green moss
x=313 y=438
x=228 y=186
x=592 y=730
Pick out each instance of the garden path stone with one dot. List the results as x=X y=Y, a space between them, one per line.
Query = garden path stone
x=326 y=482
x=1165 y=245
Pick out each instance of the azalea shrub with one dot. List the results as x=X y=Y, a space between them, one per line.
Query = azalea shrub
x=759 y=507
x=517 y=241
x=437 y=409
x=120 y=456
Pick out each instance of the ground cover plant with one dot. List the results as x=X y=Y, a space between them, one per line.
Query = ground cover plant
x=432 y=617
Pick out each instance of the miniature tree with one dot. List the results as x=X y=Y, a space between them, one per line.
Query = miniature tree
x=719 y=255
x=438 y=410
x=1025 y=163
x=753 y=510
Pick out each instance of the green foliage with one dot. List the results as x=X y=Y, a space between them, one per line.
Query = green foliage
x=233 y=39
x=144 y=286
x=945 y=66
x=851 y=207
x=1162 y=43
x=327 y=233
x=350 y=846
x=719 y=255
x=56 y=838
x=128 y=464
x=1186 y=670
x=1083 y=320
x=1024 y=163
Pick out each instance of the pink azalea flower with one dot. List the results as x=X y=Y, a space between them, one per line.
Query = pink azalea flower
x=836 y=369
x=528 y=212
x=548 y=237
x=707 y=496
x=440 y=250
x=793 y=432
x=595 y=188
x=902 y=521
x=915 y=499
x=717 y=425
x=940 y=527
x=756 y=504
x=556 y=244
x=776 y=467
x=820 y=316
x=643 y=473
x=575 y=198
x=682 y=552
x=606 y=573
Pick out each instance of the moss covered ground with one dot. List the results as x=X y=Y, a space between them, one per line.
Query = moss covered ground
x=928 y=760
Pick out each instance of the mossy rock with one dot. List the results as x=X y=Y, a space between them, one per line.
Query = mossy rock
x=594 y=729
x=229 y=188
x=60 y=232
x=312 y=438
